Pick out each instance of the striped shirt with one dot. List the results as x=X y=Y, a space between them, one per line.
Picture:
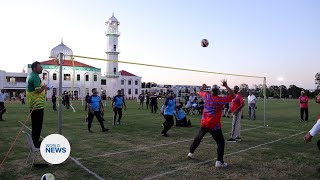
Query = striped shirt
x=35 y=100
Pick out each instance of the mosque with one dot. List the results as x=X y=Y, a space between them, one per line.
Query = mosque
x=80 y=78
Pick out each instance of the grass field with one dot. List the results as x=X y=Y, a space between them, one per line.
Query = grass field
x=135 y=149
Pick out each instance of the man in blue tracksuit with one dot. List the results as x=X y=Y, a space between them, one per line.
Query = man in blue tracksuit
x=117 y=104
x=94 y=106
x=181 y=118
x=167 y=111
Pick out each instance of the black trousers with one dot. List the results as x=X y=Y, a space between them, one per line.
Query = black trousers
x=183 y=122
x=2 y=109
x=147 y=104
x=116 y=112
x=23 y=101
x=37 y=121
x=154 y=108
x=200 y=109
x=217 y=136
x=98 y=116
x=54 y=106
x=67 y=104
x=167 y=124
x=302 y=112
x=141 y=104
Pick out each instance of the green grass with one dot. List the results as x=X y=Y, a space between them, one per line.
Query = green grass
x=289 y=158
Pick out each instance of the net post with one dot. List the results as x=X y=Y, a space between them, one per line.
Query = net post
x=264 y=100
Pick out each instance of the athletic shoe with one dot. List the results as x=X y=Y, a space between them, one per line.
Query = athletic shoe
x=164 y=134
x=231 y=140
x=238 y=139
x=190 y=155
x=90 y=131
x=219 y=164
x=105 y=130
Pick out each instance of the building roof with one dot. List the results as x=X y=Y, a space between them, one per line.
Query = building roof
x=66 y=63
x=126 y=73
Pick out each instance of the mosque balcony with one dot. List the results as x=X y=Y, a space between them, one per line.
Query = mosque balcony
x=112 y=51
x=113 y=33
x=115 y=75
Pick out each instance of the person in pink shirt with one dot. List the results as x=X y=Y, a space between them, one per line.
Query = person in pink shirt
x=303 y=100
x=236 y=108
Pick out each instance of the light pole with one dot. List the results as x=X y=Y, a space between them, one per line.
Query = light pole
x=280 y=79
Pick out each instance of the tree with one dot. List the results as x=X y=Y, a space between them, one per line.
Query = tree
x=148 y=85
x=244 y=90
x=153 y=84
x=284 y=91
x=274 y=91
x=294 y=91
x=257 y=90
x=317 y=80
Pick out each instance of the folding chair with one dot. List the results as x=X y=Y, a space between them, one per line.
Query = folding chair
x=32 y=148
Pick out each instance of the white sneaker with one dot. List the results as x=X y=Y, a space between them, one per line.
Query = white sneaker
x=190 y=155
x=219 y=164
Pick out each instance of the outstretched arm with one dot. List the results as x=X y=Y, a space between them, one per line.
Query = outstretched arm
x=315 y=130
x=230 y=91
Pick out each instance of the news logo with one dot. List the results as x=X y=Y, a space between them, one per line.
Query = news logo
x=55 y=149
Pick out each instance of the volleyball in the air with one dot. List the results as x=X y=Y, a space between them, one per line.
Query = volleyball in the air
x=204 y=43
x=48 y=176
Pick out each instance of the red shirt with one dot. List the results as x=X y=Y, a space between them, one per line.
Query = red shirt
x=303 y=100
x=236 y=102
x=212 y=111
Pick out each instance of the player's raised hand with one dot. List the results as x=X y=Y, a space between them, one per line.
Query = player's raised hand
x=224 y=82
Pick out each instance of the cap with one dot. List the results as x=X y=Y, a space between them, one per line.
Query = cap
x=215 y=86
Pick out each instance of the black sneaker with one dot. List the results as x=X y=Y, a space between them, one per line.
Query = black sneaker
x=231 y=140
x=105 y=130
x=164 y=134
x=238 y=139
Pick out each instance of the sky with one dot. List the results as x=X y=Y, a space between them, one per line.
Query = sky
x=267 y=38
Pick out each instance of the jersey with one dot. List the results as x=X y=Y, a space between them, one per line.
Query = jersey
x=35 y=100
x=170 y=106
x=94 y=102
x=118 y=100
x=211 y=116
